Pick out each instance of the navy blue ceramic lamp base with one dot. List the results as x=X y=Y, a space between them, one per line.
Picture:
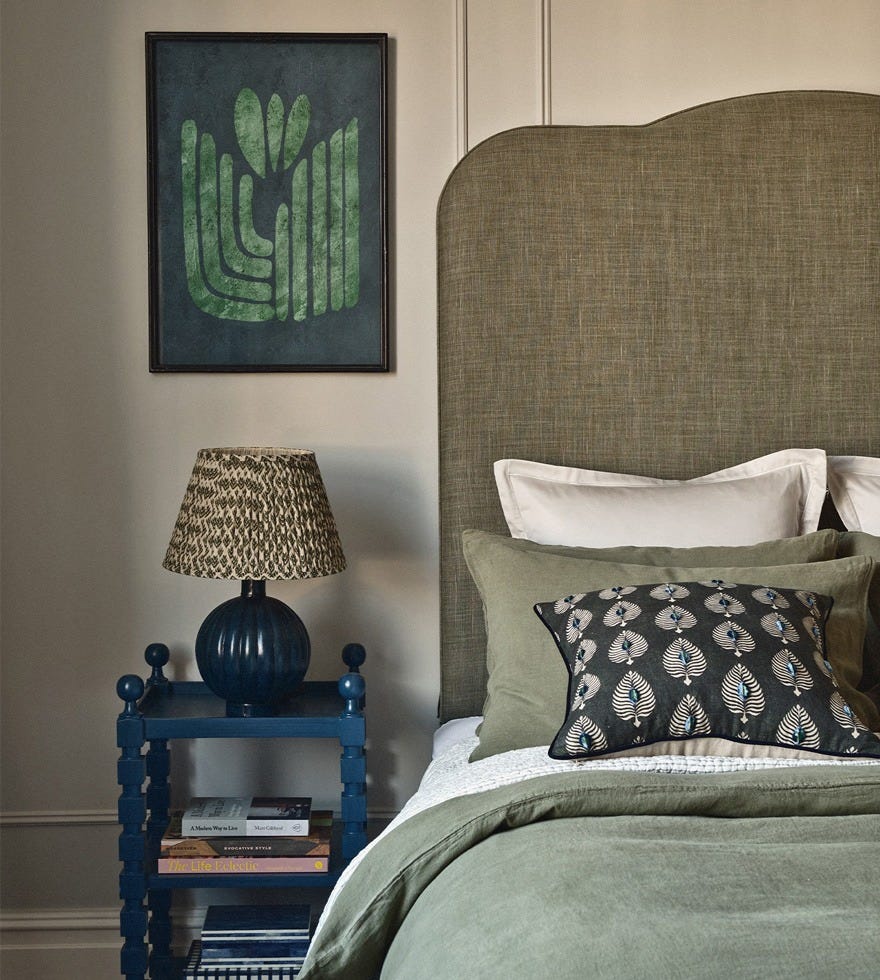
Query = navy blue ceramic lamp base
x=252 y=651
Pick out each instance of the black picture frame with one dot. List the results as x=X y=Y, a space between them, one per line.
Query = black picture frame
x=267 y=202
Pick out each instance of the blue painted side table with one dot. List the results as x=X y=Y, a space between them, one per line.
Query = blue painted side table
x=160 y=710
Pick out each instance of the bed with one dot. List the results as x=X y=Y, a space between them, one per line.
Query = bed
x=657 y=345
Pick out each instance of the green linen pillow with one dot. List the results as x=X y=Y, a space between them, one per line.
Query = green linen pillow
x=527 y=685
x=700 y=668
x=861 y=543
x=815 y=546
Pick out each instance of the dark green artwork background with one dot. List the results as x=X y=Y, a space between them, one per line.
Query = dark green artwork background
x=200 y=80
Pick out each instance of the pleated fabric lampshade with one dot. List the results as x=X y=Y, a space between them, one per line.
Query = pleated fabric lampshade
x=254 y=514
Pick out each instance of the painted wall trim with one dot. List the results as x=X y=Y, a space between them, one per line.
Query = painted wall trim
x=545 y=61
x=99 y=818
x=66 y=920
x=461 y=77
x=53 y=818
x=78 y=928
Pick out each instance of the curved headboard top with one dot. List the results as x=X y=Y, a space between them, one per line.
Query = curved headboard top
x=666 y=299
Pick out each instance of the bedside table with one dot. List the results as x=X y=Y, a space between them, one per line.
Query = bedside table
x=160 y=710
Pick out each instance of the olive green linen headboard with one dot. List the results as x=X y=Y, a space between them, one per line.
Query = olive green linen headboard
x=666 y=299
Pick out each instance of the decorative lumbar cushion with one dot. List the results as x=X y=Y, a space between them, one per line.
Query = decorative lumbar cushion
x=775 y=496
x=854 y=483
x=527 y=678
x=669 y=665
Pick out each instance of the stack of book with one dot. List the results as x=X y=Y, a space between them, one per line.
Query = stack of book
x=259 y=835
x=250 y=942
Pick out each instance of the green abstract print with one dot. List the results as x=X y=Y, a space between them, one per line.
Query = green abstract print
x=305 y=265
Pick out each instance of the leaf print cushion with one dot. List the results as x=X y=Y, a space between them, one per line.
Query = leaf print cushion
x=706 y=667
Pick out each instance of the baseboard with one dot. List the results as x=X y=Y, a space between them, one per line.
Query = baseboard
x=60 y=963
x=52 y=944
x=56 y=944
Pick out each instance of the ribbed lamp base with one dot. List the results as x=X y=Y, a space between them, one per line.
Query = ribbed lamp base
x=252 y=651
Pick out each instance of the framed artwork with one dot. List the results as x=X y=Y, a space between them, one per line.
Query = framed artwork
x=267 y=194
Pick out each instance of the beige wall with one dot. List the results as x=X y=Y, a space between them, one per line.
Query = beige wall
x=96 y=451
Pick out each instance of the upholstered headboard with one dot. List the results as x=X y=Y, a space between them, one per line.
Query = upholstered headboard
x=665 y=299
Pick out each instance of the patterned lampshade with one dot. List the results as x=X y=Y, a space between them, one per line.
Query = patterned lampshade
x=255 y=514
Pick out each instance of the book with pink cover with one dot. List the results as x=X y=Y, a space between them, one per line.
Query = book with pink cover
x=242 y=865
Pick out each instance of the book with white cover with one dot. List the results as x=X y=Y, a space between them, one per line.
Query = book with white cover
x=257 y=816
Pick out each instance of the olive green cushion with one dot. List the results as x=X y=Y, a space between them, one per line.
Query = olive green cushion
x=528 y=682
x=861 y=543
x=806 y=548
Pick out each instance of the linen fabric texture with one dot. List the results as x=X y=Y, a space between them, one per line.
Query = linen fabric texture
x=526 y=691
x=503 y=871
x=854 y=484
x=667 y=299
x=776 y=496
x=709 y=667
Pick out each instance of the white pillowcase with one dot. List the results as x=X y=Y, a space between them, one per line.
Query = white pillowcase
x=776 y=496
x=453 y=732
x=854 y=482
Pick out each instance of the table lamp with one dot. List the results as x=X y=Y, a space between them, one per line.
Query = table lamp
x=253 y=515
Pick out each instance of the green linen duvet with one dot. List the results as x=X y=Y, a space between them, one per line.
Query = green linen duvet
x=771 y=873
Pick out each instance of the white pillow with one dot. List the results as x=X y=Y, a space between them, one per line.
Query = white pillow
x=452 y=732
x=776 y=496
x=854 y=482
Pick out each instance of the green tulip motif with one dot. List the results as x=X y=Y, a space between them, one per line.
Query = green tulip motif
x=309 y=261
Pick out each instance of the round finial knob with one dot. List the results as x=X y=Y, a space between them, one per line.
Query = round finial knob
x=157 y=655
x=354 y=655
x=352 y=686
x=130 y=688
